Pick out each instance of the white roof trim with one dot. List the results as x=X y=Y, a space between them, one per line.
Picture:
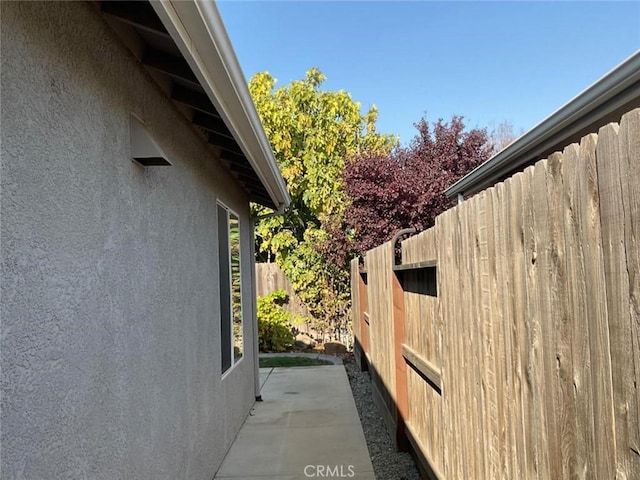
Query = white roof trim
x=198 y=31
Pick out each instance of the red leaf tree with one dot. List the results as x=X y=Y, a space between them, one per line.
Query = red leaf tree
x=405 y=188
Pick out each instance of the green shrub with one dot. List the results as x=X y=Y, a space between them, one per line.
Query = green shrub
x=274 y=323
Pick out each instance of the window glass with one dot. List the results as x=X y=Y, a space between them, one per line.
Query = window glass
x=230 y=288
x=236 y=287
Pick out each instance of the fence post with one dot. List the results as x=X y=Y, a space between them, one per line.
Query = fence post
x=358 y=314
x=364 y=326
x=402 y=402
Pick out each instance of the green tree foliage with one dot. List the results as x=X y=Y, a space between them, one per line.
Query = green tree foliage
x=274 y=323
x=312 y=132
x=406 y=187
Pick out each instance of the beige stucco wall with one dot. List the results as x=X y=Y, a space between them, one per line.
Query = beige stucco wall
x=110 y=325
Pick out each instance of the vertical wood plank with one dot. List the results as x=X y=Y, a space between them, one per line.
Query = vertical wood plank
x=504 y=380
x=400 y=371
x=629 y=141
x=378 y=262
x=611 y=172
x=545 y=273
x=269 y=278
x=459 y=344
x=478 y=410
x=356 y=313
x=514 y=267
x=471 y=429
x=364 y=309
x=601 y=392
x=355 y=297
x=447 y=244
x=585 y=441
x=547 y=443
x=561 y=321
x=535 y=375
x=486 y=256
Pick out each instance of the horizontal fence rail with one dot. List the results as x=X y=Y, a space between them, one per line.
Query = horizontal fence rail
x=507 y=343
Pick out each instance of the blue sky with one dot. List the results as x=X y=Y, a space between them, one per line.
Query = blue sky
x=488 y=61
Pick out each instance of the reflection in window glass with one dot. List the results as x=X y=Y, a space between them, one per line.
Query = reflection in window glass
x=230 y=288
x=236 y=288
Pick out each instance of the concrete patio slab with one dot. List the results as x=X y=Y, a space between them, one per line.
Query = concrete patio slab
x=306 y=427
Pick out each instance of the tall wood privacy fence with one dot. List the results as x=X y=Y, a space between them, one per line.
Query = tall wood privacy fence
x=270 y=278
x=507 y=343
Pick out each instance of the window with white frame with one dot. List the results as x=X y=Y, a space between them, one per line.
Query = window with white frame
x=230 y=287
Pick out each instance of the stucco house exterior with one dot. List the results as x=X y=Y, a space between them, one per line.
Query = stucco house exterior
x=130 y=152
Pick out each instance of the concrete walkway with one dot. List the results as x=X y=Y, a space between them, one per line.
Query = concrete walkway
x=306 y=427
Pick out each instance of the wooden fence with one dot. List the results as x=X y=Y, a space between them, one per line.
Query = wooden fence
x=507 y=343
x=270 y=278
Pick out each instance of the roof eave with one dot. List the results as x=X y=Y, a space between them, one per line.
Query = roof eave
x=198 y=31
x=617 y=88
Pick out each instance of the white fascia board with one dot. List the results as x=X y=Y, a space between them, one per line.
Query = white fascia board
x=613 y=90
x=197 y=29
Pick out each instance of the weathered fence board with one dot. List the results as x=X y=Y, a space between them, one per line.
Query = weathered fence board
x=378 y=264
x=522 y=355
x=515 y=279
x=270 y=278
x=421 y=319
x=629 y=153
x=358 y=312
x=578 y=305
